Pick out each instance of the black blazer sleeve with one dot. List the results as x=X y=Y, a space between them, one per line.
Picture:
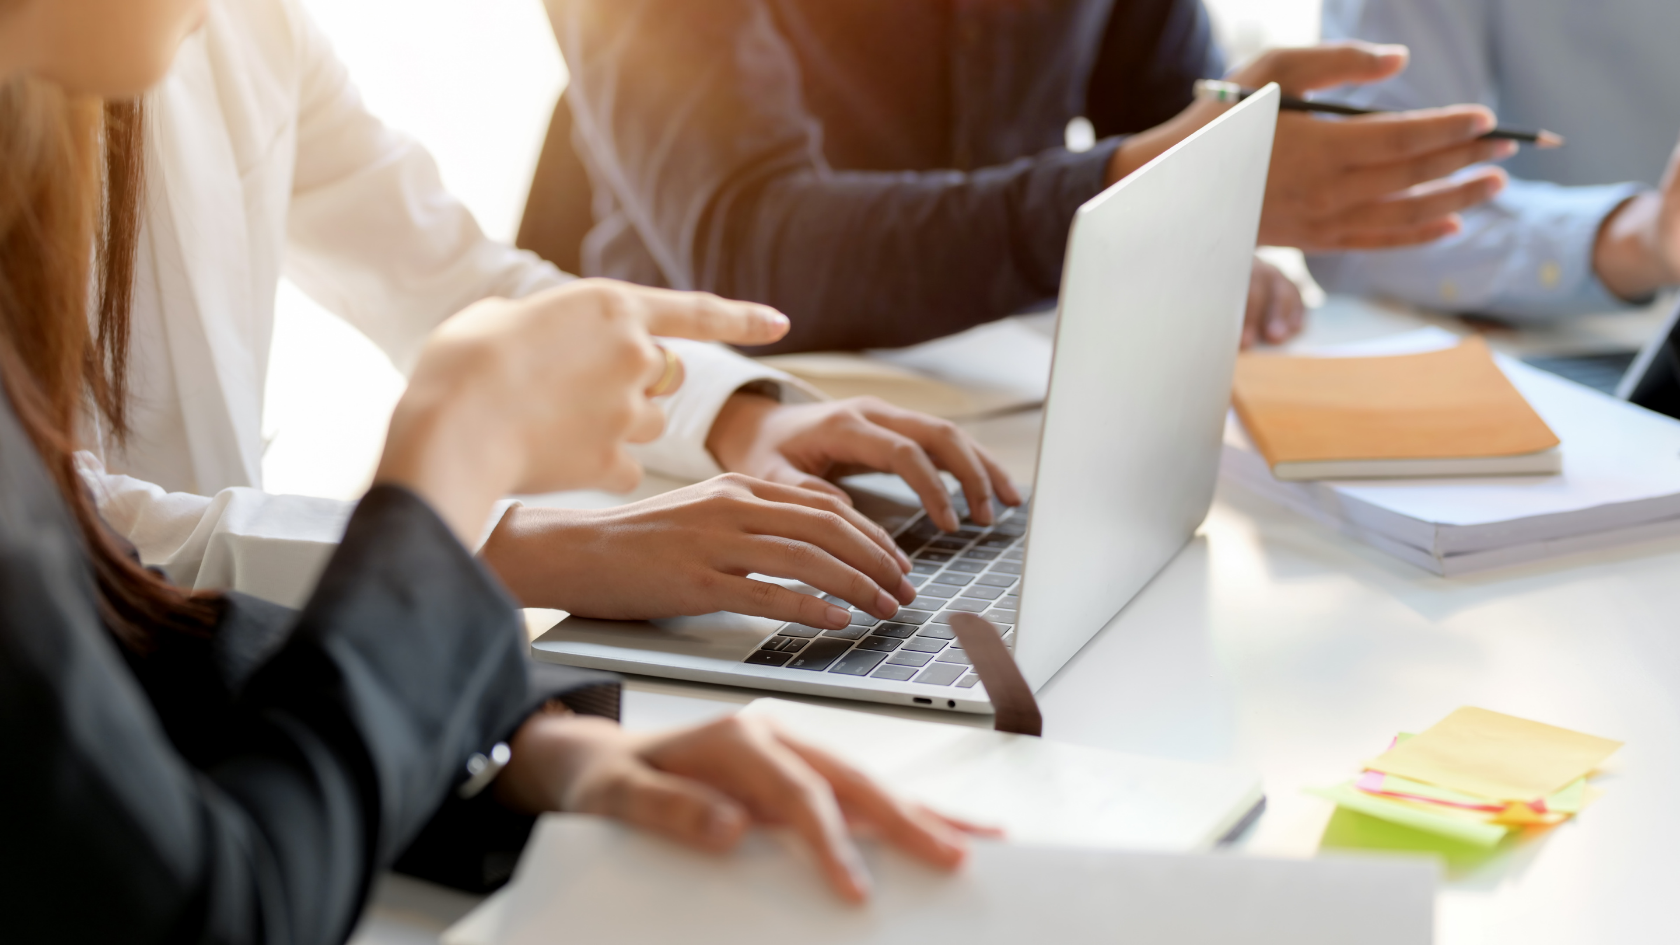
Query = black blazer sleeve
x=332 y=758
x=475 y=844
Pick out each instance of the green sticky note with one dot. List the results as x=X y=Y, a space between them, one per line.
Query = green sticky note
x=1463 y=831
x=1351 y=830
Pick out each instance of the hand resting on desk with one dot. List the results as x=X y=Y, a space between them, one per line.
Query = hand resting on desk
x=705 y=786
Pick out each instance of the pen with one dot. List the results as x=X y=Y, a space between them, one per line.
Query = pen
x=1212 y=90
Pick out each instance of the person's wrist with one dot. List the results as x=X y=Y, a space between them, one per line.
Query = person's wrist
x=445 y=448
x=550 y=753
x=536 y=551
x=737 y=428
x=1143 y=147
x=1627 y=252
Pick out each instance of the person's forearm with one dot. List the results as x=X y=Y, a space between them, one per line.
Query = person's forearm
x=872 y=260
x=447 y=446
x=1528 y=255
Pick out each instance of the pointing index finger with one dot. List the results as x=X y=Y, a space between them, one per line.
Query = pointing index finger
x=702 y=316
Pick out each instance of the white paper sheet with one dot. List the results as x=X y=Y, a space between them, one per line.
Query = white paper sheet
x=1037 y=791
x=589 y=880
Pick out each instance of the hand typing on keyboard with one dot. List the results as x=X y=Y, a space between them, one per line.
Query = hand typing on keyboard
x=974 y=569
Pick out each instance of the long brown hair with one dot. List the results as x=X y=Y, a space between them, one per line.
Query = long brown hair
x=71 y=188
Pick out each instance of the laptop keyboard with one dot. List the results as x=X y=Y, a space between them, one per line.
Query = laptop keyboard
x=974 y=569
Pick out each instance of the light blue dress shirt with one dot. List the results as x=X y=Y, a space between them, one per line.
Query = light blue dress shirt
x=1605 y=74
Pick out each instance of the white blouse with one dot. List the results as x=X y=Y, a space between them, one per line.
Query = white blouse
x=263 y=161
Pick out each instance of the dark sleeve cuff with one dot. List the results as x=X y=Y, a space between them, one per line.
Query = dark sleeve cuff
x=1060 y=183
x=474 y=844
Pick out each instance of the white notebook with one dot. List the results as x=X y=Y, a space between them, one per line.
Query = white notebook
x=1037 y=791
x=589 y=880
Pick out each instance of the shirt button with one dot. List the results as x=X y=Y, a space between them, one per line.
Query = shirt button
x=1550 y=275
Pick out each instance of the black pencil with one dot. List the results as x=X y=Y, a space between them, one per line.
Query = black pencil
x=1215 y=91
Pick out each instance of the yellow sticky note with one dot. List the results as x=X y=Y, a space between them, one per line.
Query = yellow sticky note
x=1495 y=755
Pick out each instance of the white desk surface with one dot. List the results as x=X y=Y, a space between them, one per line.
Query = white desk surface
x=1276 y=644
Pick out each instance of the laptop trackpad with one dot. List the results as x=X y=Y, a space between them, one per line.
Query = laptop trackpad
x=730 y=637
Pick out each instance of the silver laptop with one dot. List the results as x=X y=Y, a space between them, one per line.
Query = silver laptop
x=1148 y=326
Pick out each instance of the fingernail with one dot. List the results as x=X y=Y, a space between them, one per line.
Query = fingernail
x=884 y=604
x=720 y=824
x=1485 y=123
x=858 y=872
x=903 y=559
x=1506 y=149
x=837 y=617
x=776 y=320
x=1393 y=49
x=906 y=590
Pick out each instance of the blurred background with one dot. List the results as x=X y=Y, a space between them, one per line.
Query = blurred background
x=475 y=81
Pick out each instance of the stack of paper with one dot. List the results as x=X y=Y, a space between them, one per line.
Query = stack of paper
x=588 y=880
x=1620 y=483
x=1476 y=776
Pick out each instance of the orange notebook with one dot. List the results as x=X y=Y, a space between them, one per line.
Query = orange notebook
x=1442 y=413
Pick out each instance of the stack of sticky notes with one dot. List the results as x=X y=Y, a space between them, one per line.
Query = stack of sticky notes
x=1476 y=775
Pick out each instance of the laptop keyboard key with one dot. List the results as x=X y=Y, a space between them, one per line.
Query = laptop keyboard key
x=857 y=663
x=909 y=658
x=967 y=682
x=898 y=630
x=936 y=556
x=980 y=554
x=937 y=591
x=941 y=674
x=907 y=615
x=972 y=567
x=967 y=603
x=953 y=655
x=925 y=567
x=790 y=644
x=879 y=644
x=799 y=630
x=924 y=645
x=818 y=654
x=1007 y=567
x=937 y=631
x=983 y=592
x=768 y=658
x=847 y=633
x=861 y=619
x=954 y=578
x=997 y=580
x=895 y=673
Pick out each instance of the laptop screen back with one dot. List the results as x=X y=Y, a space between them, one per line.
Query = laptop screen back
x=1148 y=327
